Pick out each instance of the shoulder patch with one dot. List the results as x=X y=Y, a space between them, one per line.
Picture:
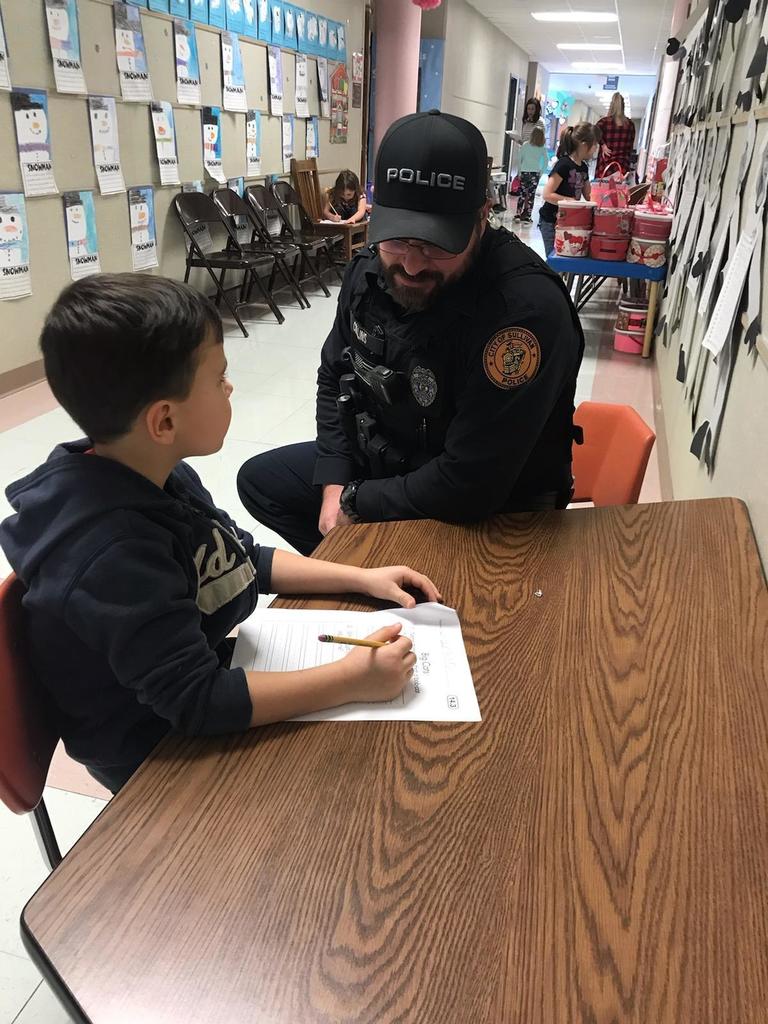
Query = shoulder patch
x=512 y=357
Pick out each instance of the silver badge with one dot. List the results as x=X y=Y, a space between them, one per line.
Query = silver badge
x=424 y=385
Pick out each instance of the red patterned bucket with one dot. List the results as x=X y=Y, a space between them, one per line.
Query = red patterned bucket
x=650 y=254
x=632 y=316
x=572 y=241
x=617 y=223
x=603 y=247
x=575 y=213
x=652 y=227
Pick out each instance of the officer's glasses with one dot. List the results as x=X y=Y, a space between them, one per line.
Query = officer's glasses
x=400 y=247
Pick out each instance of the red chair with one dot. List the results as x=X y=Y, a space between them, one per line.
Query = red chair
x=609 y=467
x=27 y=737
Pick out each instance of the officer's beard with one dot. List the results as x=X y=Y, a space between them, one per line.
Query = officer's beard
x=428 y=285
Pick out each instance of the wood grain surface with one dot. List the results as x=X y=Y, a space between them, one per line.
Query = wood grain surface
x=594 y=851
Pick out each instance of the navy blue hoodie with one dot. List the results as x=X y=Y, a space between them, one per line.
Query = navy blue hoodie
x=131 y=592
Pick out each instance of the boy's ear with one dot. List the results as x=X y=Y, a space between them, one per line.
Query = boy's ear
x=160 y=421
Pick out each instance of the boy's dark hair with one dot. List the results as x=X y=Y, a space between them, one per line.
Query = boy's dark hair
x=114 y=343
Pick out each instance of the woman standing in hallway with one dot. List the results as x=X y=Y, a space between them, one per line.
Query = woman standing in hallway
x=568 y=179
x=533 y=163
x=618 y=137
x=532 y=119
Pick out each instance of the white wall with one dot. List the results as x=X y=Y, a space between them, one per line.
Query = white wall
x=478 y=63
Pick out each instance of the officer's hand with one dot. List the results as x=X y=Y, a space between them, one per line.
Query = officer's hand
x=329 y=511
x=388 y=583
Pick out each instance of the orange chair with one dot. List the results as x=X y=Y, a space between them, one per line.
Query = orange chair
x=27 y=738
x=609 y=467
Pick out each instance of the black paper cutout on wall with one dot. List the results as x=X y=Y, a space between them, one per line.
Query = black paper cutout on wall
x=759 y=61
x=700 y=439
x=752 y=334
x=735 y=10
x=681 y=365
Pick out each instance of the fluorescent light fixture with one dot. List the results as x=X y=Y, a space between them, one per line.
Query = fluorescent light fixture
x=597 y=67
x=574 y=16
x=594 y=47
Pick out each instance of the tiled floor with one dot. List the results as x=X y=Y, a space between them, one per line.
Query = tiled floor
x=273 y=372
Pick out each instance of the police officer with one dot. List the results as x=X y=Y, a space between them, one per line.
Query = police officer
x=446 y=385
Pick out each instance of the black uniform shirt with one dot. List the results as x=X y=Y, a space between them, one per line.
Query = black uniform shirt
x=485 y=417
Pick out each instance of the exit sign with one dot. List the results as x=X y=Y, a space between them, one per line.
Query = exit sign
x=612 y=82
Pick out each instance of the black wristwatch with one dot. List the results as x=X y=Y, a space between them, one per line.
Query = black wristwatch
x=348 y=501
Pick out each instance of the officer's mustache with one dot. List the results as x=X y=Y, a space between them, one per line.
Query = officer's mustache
x=420 y=278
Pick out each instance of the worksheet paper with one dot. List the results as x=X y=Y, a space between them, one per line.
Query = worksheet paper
x=440 y=690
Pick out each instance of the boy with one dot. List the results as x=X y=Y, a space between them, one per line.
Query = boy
x=134 y=579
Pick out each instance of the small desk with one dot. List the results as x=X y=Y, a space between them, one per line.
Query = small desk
x=592 y=273
x=596 y=849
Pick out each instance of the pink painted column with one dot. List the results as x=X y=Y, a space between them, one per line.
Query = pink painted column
x=397 y=26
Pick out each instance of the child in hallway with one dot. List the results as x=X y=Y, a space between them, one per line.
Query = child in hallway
x=346 y=203
x=533 y=163
x=569 y=178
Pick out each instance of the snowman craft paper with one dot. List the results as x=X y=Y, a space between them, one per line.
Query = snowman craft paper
x=227 y=59
x=11 y=235
x=103 y=129
x=77 y=225
x=182 y=53
x=128 y=54
x=57 y=14
x=139 y=219
x=31 y=128
x=210 y=137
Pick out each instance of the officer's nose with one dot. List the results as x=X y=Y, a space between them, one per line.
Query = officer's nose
x=414 y=262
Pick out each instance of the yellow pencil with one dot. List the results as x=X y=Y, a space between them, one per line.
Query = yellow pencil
x=326 y=638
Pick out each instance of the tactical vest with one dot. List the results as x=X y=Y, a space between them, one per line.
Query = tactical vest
x=398 y=397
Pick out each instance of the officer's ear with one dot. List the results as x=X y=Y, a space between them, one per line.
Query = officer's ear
x=485 y=211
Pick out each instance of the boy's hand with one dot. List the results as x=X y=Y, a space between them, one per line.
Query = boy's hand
x=379 y=673
x=387 y=583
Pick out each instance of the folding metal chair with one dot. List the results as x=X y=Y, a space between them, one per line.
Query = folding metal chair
x=232 y=206
x=195 y=209
x=310 y=246
x=28 y=736
x=290 y=200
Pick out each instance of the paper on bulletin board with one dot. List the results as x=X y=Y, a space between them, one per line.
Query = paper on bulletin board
x=64 y=39
x=106 y=144
x=301 y=30
x=15 y=277
x=235 y=18
x=276 y=8
x=233 y=74
x=357 y=79
x=141 y=205
x=82 y=238
x=275 y=61
x=289 y=26
x=264 y=18
x=312 y=32
x=198 y=11
x=135 y=84
x=253 y=143
x=250 y=24
x=322 y=35
x=322 y=87
x=164 y=127
x=302 y=82
x=187 y=63
x=33 y=139
x=217 y=14
x=5 y=72
x=212 y=143
x=313 y=138
x=339 y=104
x=288 y=129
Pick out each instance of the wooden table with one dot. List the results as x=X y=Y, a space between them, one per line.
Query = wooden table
x=595 y=850
x=591 y=274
